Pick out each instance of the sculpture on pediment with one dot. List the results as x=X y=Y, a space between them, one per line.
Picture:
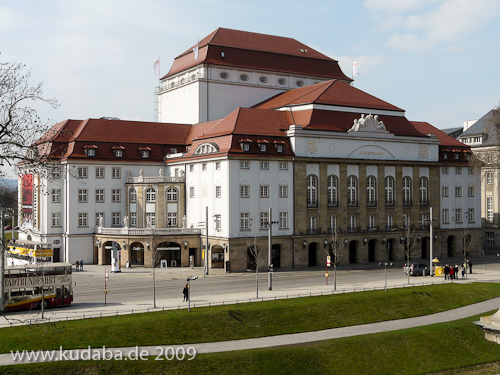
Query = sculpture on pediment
x=101 y=221
x=160 y=172
x=125 y=221
x=369 y=123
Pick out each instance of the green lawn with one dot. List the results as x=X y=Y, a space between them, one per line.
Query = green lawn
x=232 y=322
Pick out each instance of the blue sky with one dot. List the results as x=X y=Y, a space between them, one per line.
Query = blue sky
x=434 y=58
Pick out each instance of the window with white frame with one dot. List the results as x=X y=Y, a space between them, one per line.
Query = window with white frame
x=82 y=219
x=56 y=219
x=371 y=193
x=312 y=184
x=99 y=172
x=133 y=195
x=352 y=191
x=218 y=224
x=333 y=224
x=244 y=221
x=82 y=195
x=56 y=172
x=191 y=168
x=332 y=191
x=116 y=195
x=279 y=148
x=244 y=165
x=312 y=224
x=283 y=165
x=172 y=195
x=390 y=221
x=98 y=218
x=82 y=172
x=458 y=170
x=371 y=221
x=407 y=191
x=470 y=215
x=283 y=220
x=470 y=191
x=217 y=165
x=458 y=215
x=264 y=217
x=191 y=191
x=445 y=191
x=56 y=195
x=489 y=209
x=458 y=191
x=218 y=191
x=264 y=191
x=389 y=191
x=264 y=165
x=352 y=222
x=283 y=191
x=444 y=170
x=204 y=167
x=244 y=191
x=490 y=238
x=489 y=178
x=424 y=191
x=116 y=219
x=116 y=172
x=445 y=215
x=424 y=220
x=133 y=219
x=150 y=195
x=99 y=195
x=263 y=147
x=172 y=219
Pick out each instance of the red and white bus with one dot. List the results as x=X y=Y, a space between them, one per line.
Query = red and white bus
x=22 y=252
x=28 y=287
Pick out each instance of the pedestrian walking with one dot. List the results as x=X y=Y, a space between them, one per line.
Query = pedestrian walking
x=446 y=272
x=452 y=273
x=81 y=264
x=77 y=265
x=463 y=272
x=456 y=271
x=185 y=291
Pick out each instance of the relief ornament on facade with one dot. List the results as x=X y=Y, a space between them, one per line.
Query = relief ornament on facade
x=369 y=123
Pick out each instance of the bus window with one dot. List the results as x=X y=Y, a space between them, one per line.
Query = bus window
x=29 y=292
x=16 y=292
x=66 y=292
x=36 y=290
x=58 y=292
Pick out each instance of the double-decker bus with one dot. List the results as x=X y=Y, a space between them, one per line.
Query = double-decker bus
x=28 y=252
x=28 y=287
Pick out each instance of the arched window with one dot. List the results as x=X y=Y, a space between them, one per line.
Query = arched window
x=312 y=191
x=407 y=191
x=332 y=191
x=424 y=197
x=133 y=196
x=389 y=191
x=371 y=196
x=352 y=191
x=172 y=195
x=151 y=195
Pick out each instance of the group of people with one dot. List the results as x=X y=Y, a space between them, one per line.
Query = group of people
x=452 y=272
x=79 y=265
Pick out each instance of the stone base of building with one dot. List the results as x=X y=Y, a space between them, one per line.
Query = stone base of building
x=491 y=327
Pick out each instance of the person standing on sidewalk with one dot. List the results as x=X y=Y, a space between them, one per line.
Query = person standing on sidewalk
x=77 y=265
x=81 y=264
x=469 y=263
x=185 y=291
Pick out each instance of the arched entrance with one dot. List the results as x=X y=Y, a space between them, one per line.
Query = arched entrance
x=137 y=253
x=313 y=250
x=425 y=248
x=390 y=250
x=371 y=250
x=217 y=256
x=353 y=252
x=450 y=246
x=106 y=252
x=276 y=256
x=169 y=251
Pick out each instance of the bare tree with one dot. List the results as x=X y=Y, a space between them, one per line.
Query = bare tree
x=256 y=256
x=336 y=249
x=467 y=243
x=407 y=246
x=156 y=256
x=20 y=125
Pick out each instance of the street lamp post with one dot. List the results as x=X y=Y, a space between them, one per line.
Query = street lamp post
x=189 y=290
x=270 y=223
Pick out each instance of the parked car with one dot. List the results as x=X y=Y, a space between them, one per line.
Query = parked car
x=8 y=227
x=416 y=269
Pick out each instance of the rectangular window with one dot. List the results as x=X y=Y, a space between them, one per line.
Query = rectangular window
x=283 y=166
x=470 y=191
x=82 y=172
x=116 y=195
x=390 y=221
x=56 y=219
x=246 y=146
x=172 y=219
x=217 y=165
x=116 y=219
x=371 y=221
x=56 y=172
x=458 y=170
x=312 y=224
x=133 y=219
x=191 y=168
x=333 y=224
x=82 y=219
x=445 y=216
x=279 y=148
x=204 y=167
x=445 y=170
x=283 y=191
x=56 y=195
x=489 y=178
x=445 y=191
x=116 y=172
x=489 y=209
x=245 y=165
x=264 y=165
x=264 y=191
x=458 y=215
x=99 y=195
x=263 y=220
x=98 y=218
x=263 y=147
x=99 y=172
x=244 y=191
x=283 y=220
x=458 y=191
x=470 y=215
x=218 y=224
x=244 y=221
x=218 y=191
x=352 y=223
x=490 y=238
x=82 y=195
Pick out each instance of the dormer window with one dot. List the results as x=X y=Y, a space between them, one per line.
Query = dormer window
x=245 y=144
x=90 y=150
x=279 y=146
x=445 y=155
x=173 y=150
x=206 y=148
x=262 y=145
x=456 y=156
x=118 y=151
x=144 y=152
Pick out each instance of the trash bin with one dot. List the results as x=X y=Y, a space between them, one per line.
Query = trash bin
x=228 y=266
x=439 y=270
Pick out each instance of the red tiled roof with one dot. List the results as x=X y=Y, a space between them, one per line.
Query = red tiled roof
x=334 y=92
x=443 y=138
x=258 y=51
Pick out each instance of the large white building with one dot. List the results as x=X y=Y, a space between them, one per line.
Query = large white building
x=252 y=123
